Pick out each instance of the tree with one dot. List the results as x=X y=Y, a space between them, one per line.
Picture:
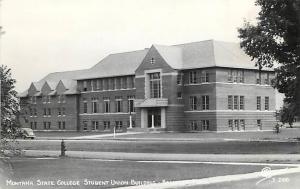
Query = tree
x=275 y=38
x=9 y=112
x=287 y=114
x=9 y=100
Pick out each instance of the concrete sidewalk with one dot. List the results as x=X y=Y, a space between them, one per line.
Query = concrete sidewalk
x=168 y=157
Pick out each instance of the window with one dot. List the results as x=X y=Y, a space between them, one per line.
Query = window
x=59 y=111
x=49 y=99
x=59 y=124
x=131 y=104
x=106 y=105
x=179 y=95
x=180 y=79
x=240 y=78
x=63 y=125
x=155 y=91
x=118 y=104
x=99 y=84
x=258 y=103
x=106 y=125
x=85 y=107
x=236 y=125
x=230 y=76
x=258 y=78
x=105 y=84
x=35 y=112
x=230 y=124
x=124 y=83
x=92 y=85
x=133 y=123
x=84 y=85
x=45 y=125
x=48 y=125
x=236 y=76
x=85 y=125
x=267 y=103
x=267 y=80
x=193 y=102
x=230 y=102
x=35 y=125
x=61 y=98
x=152 y=61
x=236 y=102
x=258 y=123
x=242 y=102
x=49 y=112
x=33 y=99
x=31 y=125
x=44 y=99
x=63 y=111
x=242 y=124
x=95 y=125
x=113 y=83
x=193 y=125
x=205 y=102
x=193 y=77
x=119 y=125
x=205 y=125
x=94 y=105
x=204 y=77
x=133 y=82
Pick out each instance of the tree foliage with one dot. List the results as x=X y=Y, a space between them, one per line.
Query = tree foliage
x=275 y=39
x=9 y=100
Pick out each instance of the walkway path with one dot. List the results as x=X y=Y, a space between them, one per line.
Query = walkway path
x=103 y=135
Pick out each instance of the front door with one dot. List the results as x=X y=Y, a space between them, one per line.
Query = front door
x=154 y=117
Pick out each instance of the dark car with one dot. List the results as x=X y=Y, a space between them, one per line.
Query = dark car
x=26 y=133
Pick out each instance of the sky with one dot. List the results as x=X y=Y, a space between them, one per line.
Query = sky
x=44 y=36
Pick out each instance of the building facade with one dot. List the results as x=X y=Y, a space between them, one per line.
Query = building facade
x=202 y=86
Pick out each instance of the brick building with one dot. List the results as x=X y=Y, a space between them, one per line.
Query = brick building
x=207 y=85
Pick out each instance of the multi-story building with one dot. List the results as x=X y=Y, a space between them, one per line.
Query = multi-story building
x=208 y=85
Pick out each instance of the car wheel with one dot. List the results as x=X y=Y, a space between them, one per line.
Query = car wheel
x=24 y=137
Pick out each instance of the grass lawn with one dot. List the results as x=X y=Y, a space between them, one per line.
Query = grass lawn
x=190 y=147
x=78 y=169
x=286 y=133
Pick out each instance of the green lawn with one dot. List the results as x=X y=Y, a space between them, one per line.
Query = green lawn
x=78 y=169
x=190 y=147
x=286 y=133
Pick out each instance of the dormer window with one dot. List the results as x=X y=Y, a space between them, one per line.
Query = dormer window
x=152 y=61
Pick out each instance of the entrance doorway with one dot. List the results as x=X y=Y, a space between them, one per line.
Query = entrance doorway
x=154 y=115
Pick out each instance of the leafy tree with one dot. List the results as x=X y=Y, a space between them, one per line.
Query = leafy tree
x=275 y=38
x=287 y=114
x=9 y=112
x=9 y=100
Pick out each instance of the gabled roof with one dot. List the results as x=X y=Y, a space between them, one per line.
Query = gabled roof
x=116 y=65
x=51 y=84
x=171 y=54
x=203 y=54
x=53 y=79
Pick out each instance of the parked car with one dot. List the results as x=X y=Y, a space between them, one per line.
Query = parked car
x=26 y=133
